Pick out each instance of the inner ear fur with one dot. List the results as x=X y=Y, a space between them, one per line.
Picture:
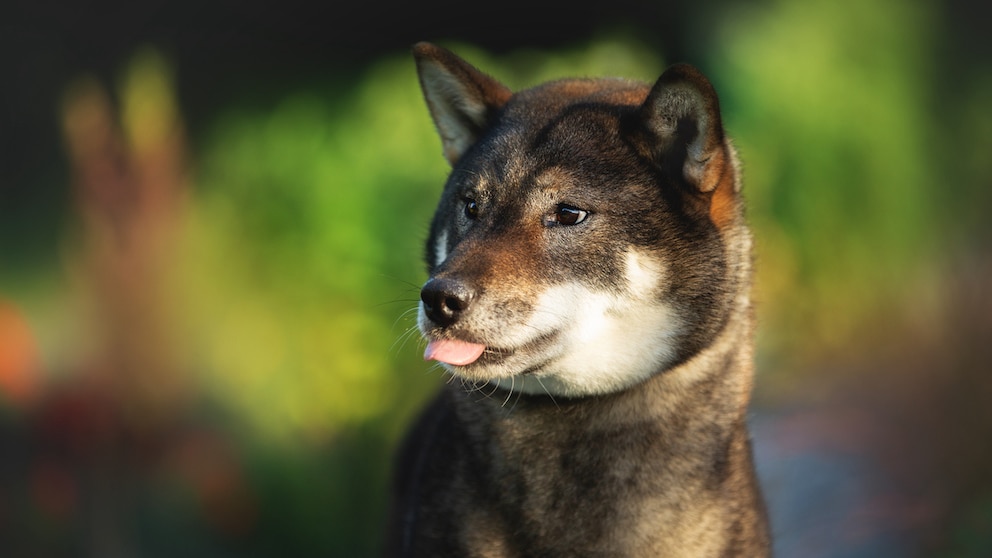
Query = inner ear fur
x=463 y=101
x=682 y=113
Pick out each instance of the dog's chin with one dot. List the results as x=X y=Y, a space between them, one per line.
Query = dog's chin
x=530 y=373
x=508 y=372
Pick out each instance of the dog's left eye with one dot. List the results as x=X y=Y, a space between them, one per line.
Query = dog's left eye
x=566 y=215
x=471 y=209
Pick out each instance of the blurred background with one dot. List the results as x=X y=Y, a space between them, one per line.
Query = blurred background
x=211 y=228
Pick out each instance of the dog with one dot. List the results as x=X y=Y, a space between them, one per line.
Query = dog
x=589 y=293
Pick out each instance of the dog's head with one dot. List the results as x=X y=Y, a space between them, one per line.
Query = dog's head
x=590 y=234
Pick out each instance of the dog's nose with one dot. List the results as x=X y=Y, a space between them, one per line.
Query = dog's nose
x=445 y=300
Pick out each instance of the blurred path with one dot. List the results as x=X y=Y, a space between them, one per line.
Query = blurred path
x=828 y=499
x=885 y=451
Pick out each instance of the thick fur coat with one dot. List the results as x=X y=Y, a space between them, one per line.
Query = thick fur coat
x=589 y=291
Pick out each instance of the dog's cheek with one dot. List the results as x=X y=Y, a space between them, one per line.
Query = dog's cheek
x=598 y=264
x=644 y=274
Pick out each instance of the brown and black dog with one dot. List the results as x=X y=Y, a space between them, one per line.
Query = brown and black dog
x=590 y=273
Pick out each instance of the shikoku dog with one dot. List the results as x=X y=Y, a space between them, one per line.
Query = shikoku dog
x=590 y=271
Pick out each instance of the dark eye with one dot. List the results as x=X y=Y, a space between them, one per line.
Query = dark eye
x=471 y=209
x=566 y=215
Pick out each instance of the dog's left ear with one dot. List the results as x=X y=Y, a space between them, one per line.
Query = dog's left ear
x=463 y=101
x=682 y=113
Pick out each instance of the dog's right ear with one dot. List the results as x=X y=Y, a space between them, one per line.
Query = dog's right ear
x=463 y=101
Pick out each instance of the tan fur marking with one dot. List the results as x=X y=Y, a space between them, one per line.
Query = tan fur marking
x=724 y=205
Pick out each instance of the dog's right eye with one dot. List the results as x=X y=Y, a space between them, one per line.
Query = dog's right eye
x=471 y=209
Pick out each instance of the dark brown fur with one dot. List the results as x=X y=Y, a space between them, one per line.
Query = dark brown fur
x=659 y=465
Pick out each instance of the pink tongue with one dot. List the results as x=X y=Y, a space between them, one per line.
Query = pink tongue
x=458 y=353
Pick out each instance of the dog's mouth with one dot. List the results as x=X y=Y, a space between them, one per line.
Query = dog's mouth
x=456 y=352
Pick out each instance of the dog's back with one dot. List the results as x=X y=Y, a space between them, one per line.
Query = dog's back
x=590 y=277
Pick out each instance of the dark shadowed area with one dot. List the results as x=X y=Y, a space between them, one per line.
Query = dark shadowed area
x=211 y=226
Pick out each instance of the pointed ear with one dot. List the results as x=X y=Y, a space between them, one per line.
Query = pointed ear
x=463 y=101
x=682 y=113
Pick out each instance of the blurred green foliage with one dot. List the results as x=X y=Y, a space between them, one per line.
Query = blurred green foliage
x=297 y=260
x=837 y=139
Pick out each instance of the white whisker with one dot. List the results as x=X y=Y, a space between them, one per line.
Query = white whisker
x=538 y=378
x=508 y=393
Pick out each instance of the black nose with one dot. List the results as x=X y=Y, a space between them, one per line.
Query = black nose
x=445 y=300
